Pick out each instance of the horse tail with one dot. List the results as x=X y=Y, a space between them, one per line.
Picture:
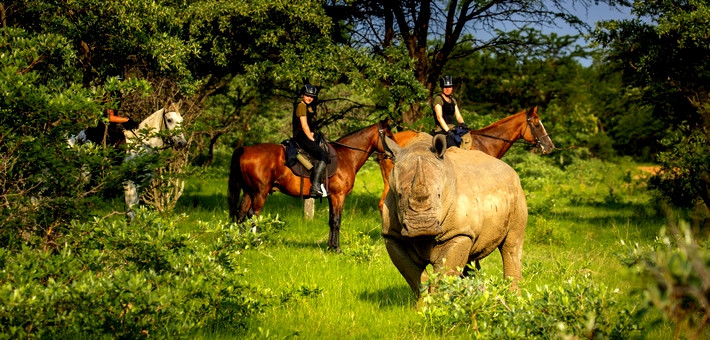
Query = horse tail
x=235 y=184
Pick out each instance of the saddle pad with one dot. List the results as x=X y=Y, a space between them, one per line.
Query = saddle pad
x=299 y=170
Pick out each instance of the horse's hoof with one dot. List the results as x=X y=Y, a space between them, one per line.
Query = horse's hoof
x=130 y=216
x=335 y=250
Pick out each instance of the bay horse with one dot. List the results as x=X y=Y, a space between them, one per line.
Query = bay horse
x=495 y=139
x=147 y=138
x=260 y=169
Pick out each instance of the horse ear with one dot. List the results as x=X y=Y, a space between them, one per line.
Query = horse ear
x=392 y=149
x=174 y=107
x=439 y=144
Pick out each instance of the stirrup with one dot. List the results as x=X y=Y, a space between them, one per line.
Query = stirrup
x=318 y=192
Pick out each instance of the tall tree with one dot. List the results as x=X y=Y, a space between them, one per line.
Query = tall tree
x=666 y=51
x=431 y=30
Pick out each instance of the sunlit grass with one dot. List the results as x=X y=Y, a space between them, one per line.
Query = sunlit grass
x=577 y=233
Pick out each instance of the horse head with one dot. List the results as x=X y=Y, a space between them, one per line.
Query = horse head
x=172 y=121
x=536 y=133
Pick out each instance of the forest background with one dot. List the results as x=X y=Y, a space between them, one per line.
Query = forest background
x=237 y=67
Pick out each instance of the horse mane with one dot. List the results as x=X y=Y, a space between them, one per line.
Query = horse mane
x=504 y=120
x=151 y=120
x=354 y=133
x=349 y=135
x=158 y=115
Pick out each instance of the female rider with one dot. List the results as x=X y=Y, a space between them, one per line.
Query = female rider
x=305 y=135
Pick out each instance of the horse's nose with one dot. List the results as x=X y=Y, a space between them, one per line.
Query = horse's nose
x=180 y=142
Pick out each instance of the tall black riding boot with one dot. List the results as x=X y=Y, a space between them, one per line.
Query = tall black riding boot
x=317 y=174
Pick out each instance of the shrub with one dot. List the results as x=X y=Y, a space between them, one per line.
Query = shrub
x=485 y=308
x=362 y=249
x=112 y=279
x=545 y=231
x=675 y=268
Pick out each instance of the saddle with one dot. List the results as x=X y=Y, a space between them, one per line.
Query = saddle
x=293 y=151
x=461 y=136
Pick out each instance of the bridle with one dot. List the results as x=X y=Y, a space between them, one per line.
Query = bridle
x=533 y=131
x=164 y=126
x=168 y=142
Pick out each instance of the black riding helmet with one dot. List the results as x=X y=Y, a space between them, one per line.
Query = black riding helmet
x=310 y=90
x=446 y=81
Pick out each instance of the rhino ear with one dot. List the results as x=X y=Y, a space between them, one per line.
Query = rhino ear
x=439 y=145
x=392 y=149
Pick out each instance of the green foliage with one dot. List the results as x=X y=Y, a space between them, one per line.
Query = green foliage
x=662 y=52
x=362 y=249
x=251 y=233
x=485 y=308
x=674 y=268
x=683 y=167
x=146 y=279
x=45 y=183
x=546 y=231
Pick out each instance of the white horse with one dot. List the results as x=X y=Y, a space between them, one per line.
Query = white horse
x=147 y=139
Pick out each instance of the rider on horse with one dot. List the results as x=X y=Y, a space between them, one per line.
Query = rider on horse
x=445 y=111
x=111 y=134
x=306 y=136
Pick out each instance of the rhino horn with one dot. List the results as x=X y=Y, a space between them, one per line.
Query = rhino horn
x=419 y=199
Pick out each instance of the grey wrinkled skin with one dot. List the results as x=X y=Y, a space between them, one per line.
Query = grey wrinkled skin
x=450 y=207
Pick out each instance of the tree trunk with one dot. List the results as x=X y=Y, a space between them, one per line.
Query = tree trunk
x=210 y=149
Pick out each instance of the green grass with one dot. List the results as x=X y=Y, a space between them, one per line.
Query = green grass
x=576 y=228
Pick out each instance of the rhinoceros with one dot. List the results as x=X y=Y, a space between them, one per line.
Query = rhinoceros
x=450 y=207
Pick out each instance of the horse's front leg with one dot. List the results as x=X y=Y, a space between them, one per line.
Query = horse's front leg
x=130 y=191
x=336 y=210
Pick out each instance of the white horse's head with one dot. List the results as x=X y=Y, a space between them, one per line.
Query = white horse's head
x=173 y=122
x=162 y=120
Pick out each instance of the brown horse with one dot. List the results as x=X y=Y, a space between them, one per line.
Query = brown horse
x=495 y=139
x=260 y=169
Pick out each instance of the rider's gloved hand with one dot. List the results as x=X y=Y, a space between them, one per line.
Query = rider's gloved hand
x=464 y=126
x=451 y=133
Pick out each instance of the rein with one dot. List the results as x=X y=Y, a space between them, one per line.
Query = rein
x=493 y=137
x=349 y=147
x=380 y=132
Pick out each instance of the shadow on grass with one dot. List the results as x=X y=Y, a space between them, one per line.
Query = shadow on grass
x=605 y=213
x=275 y=203
x=393 y=296
x=323 y=245
x=201 y=201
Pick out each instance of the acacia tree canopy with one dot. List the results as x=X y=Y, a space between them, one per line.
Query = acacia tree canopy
x=432 y=31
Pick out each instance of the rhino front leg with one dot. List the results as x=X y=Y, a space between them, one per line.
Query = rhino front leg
x=401 y=258
x=451 y=257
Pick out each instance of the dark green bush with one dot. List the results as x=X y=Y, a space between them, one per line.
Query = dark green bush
x=145 y=279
